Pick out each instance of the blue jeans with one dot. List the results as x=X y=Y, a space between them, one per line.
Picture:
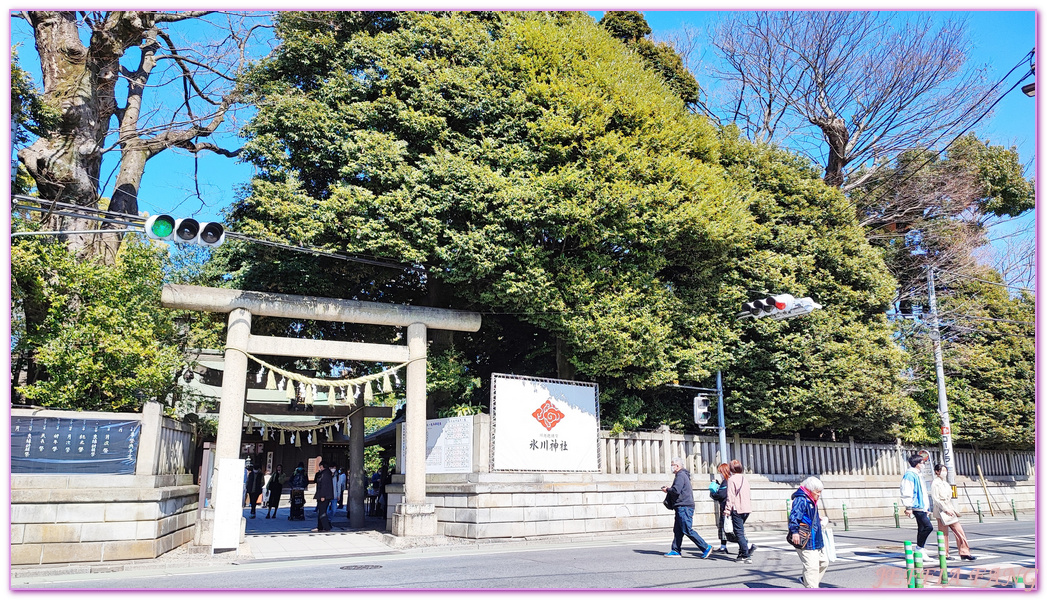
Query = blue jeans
x=682 y=527
x=738 y=523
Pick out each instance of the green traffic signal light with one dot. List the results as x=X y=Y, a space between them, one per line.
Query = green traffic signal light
x=161 y=227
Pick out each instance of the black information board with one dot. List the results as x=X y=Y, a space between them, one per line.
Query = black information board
x=45 y=445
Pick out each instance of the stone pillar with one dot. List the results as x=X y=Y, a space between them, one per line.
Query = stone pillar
x=227 y=505
x=357 y=478
x=667 y=449
x=149 y=439
x=855 y=468
x=413 y=517
x=234 y=387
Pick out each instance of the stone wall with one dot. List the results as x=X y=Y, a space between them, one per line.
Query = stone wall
x=518 y=505
x=94 y=518
x=63 y=518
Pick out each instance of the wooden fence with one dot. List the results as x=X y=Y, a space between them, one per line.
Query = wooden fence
x=649 y=453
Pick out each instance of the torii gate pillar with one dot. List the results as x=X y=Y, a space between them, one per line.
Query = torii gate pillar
x=414 y=516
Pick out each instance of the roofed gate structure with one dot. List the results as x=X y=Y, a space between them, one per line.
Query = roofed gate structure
x=413 y=516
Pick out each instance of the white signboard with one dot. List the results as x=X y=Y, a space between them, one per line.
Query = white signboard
x=449 y=445
x=228 y=506
x=544 y=424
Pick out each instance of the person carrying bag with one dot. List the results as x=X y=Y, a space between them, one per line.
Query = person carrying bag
x=806 y=532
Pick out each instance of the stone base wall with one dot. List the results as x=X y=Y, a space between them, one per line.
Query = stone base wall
x=517 y=505
x=95 y=518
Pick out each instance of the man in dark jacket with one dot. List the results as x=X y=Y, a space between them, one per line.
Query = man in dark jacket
x=683 y=506
x=254 y=487
x=324 y=494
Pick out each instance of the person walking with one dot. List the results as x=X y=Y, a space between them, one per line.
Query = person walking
x=275 y=488
x=254 y=488
x=324 y=495
x=683 y=505
x=738 y=507
x=720 y=497
x=945 y=513
x=805 y=531
x=917 y=502
x=339 y=486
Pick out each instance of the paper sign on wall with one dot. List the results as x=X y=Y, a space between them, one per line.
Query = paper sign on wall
x=449 y=445
x=544 y=424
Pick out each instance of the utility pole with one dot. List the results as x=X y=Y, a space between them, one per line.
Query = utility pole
x=943 y=403
x=719 y=411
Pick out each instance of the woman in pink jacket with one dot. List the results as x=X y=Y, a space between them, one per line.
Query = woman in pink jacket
x=738 y=507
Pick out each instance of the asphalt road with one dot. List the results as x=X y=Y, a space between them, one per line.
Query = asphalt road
x=868 y=558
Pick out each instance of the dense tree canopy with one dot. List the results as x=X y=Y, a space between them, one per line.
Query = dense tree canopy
x=535 y=169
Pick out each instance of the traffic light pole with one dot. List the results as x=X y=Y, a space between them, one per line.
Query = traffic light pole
x=719 y=414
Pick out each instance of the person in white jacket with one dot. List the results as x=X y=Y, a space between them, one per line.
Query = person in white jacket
x=945 y=512
x=917 y=502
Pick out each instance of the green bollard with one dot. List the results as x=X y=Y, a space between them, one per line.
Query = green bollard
x=1019 y=583
x=910 y=577
x=846 y=524
x=979 y=502
x=919 y=570
x=942 y=550
x=1014 y=510
x=897 y=524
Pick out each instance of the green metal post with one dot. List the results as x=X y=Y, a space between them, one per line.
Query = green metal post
x=919 y=569
x=897 y=524
x=1019 y=583
x=942 y=551
x=1014 y=510
x=910 y=577
x=846 y=523
x=979 y=503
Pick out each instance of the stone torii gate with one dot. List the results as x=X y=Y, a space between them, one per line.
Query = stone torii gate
x=412 y=517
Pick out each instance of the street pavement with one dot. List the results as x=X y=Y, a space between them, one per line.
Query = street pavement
x=285 y=555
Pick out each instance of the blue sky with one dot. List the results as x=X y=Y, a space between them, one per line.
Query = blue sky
x=999 y=38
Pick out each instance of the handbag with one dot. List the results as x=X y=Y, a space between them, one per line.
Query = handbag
x=670 y=499
x=805 y=536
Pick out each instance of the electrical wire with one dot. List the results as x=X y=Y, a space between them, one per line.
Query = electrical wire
x=230 y=234
x=1003 y=285
x=966 y=129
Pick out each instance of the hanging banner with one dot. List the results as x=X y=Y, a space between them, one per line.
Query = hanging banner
x=53 y=445
x=449 y=445
x=544 y=424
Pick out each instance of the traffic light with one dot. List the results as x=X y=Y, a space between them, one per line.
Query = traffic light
x=186 y=231
x=701 y=409
x=782 y=306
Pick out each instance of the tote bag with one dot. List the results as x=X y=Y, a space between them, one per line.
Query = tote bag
x=829 y=542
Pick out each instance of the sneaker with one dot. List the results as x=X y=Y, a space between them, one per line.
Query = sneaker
x=740 y=559
x=672 y=554
x=969 y=557
x=752 y=548
x=721 y=550
x=748 y=560
x=707 y=552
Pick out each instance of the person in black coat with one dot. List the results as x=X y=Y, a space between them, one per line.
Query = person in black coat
x=324 y=495
x=720 y=497
x=276 y=487
x=254 y=487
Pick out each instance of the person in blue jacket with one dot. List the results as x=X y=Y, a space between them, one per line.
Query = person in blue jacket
x=683 y=506
x=917 y=502
x=804 y=516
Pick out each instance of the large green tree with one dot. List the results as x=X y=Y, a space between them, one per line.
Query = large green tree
x=533 y=168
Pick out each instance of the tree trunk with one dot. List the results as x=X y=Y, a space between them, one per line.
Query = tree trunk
x=836 y=135
x=81 y=84
x=564 y=368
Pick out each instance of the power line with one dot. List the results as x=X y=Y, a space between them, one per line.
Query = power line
x=1003 y=285
x=138 y=221
x=970 y=126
